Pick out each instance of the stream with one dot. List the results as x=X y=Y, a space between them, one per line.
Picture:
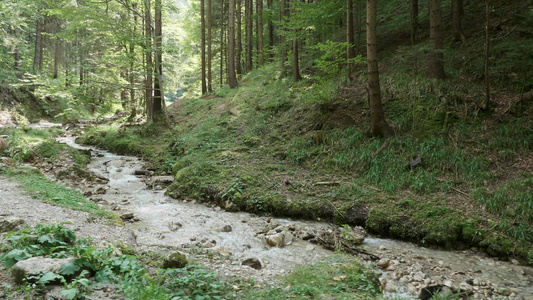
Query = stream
x=222 y=241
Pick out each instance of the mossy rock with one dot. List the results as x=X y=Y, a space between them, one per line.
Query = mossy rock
x=175 y=260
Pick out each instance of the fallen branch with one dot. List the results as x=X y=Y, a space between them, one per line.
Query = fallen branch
x=353 y=250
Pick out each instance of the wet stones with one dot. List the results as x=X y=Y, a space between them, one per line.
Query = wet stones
x=227 y=228
x=253 y=263
x=175 y=260
x=36 y=265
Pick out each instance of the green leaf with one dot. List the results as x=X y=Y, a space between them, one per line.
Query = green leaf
x=14 y=256
x=70 y=268
x=49 y=277
x=70 y=293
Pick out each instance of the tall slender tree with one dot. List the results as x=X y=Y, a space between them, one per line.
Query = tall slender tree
x=260 y=37
x=38 y=54
x=436 y=59
x=270 y=29
x=413 y=13
x=238 y=49
x=249 y=30
x=209 y=44
x=457 y=17
x=232 y=77
x=295 y=48
x=378 y=124
x=283 y=19
x=159 y=95
x=148 y=61
x=350 y=51
x=202 y=29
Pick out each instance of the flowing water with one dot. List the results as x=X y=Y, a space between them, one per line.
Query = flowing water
x=168 y=223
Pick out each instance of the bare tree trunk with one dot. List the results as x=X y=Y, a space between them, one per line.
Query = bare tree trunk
x=148 y=61
x=413 y=12
x=436 y=61
x=457 y=16
x=202 y=29
x=283 y=16
x=487 y=55
x=159 y=96
x=38 y=55
x=209 y=44
x=231 y=45
x=222 y=44
x=248 y=16
x=350 y=51
x=295 y=48
x=57 y=57
x=261 y=46
x=270 y=28
x=378 y=124
x=238 y=52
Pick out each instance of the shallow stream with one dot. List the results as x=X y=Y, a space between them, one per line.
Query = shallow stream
x=164 y=222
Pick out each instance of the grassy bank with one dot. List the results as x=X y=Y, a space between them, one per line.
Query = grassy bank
x=270 y=147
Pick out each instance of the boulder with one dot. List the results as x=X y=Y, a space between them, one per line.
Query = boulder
x=227 y=228
x=252 y=263
x=175 y=260
x=10 y=224
x=276 y=240
x=36 y=265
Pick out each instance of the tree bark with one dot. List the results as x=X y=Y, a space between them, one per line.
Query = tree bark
x=295 y=48
x=159 y=96
x=350 y=51
x=413 y=14
x=378 y=124
x=249 y=30
x=261 y=40
x=209 y=44
x=202 y=29
x=270 y=28
x=222 y=44
x=436 y=61
x=38 y=54
x=457 y=16
x=487 y=55
x=238 y=50
x=148 y=61
x=282 y=16
x=232 y=77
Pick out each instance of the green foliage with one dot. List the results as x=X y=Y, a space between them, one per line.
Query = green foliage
x=333 y=56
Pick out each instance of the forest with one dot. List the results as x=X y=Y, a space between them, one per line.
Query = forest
x=409 y=120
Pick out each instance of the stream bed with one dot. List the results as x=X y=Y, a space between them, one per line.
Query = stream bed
x=222 y=241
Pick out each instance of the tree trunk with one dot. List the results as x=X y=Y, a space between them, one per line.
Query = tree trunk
x=57 y=57
x=232 y=77
x=295 y=48
x=248 y=16
x=38 y=55
x=159 y=96
x=436 y=62
x=209 y=44
x=261 y=46
x=350 y=51
x=282 y=16
x=222 y=44
x=238 y=52
x=378 y=124
x=148 y=61
x=457 y=15
x=270 y=28
x=487 y=56
x=413 y=12
x=202 y=29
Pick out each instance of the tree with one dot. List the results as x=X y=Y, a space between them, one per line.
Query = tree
x=248 y=17
x=283 y=17
x=350 y=51
x=38 y=54
x=413 y=14
x=148 y=61
x=270 y=29
x=261 y=41
x=159 y=95
x=209 y=44
x=457 y=15
x=202 y=29
x=231 y=46
x=436 y=37
x=295 y=48
x=238 y=50
x=378 y=124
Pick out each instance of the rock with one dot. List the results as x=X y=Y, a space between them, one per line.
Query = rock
x=175 y=260
x=429 y=291
x=35 y=266
x=276 y=240
x=173 y=226
x=252 y=263
x=210 y=244
x=383 y=263
x=10 y=224
x=354 y=236
x=126 y=216
x=390 y=287
x=419 y=276
x=164 y=180
x=227 y=228
x=448 y=283
x=230 y=207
